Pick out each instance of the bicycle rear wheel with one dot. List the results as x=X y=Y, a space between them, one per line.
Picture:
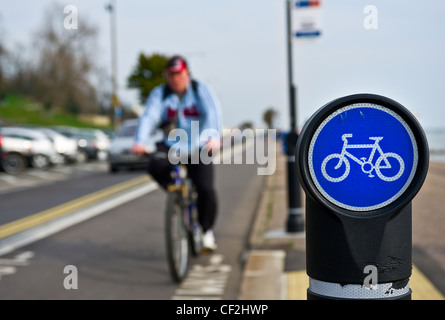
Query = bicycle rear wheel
x=177 y=239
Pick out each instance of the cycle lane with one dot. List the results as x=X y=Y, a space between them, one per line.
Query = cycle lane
x=117 y=250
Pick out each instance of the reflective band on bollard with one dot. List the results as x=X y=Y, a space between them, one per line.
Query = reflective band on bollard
x=323 y=290
x=296 y=211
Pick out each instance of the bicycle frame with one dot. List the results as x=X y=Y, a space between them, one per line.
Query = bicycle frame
x=366 y=164
x=179 y=174
x=374 y=147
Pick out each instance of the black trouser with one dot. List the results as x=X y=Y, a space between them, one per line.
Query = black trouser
x=202 y=176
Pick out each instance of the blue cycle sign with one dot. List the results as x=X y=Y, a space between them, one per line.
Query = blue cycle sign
x=362 y=157
x=365 y=163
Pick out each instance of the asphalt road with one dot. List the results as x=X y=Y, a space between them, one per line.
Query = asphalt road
x=120 y=253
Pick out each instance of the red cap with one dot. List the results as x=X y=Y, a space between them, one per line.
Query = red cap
x=176 y=64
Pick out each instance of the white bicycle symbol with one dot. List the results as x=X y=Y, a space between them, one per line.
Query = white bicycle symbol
x=366 y=164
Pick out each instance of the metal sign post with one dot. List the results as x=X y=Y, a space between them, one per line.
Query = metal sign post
x=115 y=104
x=295 y=221
x=362 y=159
x=304 y=25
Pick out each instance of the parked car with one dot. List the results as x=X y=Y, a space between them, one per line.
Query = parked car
x=86 y=142
x=119 y=153
x=66 y=147
x=108 y=132
x=14 y=154
x=32 y=144
x=101 y=140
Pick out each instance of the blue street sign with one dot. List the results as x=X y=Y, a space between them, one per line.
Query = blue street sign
x=308 y=34
x=306 y=19
x=362 y=157
x=304 y=4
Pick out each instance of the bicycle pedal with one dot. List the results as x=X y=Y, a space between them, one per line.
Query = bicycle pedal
x=206 y=250
x=172 y=188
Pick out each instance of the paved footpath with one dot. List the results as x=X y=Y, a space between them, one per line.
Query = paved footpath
x=275 y=266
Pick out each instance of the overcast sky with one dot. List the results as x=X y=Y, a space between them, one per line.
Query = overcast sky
x=239 y=47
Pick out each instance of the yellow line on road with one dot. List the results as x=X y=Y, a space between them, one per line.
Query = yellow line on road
x=297 y=284
x=68 y=207
x=421 y=286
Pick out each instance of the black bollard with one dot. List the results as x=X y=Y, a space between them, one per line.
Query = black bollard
x=361 y=160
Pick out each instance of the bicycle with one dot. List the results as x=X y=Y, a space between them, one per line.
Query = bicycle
x=366 y=164
x=183 y=232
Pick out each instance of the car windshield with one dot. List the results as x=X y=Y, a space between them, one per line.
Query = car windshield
x=126 y=131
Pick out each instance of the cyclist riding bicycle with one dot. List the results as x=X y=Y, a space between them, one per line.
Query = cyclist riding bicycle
x=185 y=104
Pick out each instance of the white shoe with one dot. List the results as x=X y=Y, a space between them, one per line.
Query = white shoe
x=208 y=241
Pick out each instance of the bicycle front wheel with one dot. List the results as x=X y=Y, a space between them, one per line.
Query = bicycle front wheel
x=195 y=231
x=176 y=236
x=338 y=168
x=393 y=169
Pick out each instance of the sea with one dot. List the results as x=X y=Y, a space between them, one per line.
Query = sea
x=436 y=143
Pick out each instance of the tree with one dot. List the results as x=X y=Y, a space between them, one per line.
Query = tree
x=246 y=125
x=2 y=58
x=2 y=85
x=63 y=65
x=147 y=74
x=269 y=117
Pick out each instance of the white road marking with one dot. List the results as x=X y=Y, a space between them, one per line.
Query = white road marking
x=205 y=282
x=8 y=266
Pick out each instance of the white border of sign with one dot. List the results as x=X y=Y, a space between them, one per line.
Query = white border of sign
x=350 y=107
